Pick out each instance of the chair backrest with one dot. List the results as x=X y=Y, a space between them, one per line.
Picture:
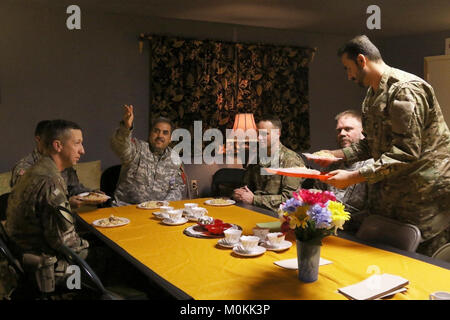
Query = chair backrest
x=387 y=231
x=443 y=253
x=7 y=254
x=94 y=281
x=109 y=179
x=225 y=180
x=3 y=205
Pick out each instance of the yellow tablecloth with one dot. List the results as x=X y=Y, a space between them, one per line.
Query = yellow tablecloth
x=204 y=270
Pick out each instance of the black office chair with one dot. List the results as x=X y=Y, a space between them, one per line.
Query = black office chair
x=24 y=287
x=225 y=180
x=27 y=287
x=3 y=204
x=109 y=179
x=378 y=229
x=91 y=281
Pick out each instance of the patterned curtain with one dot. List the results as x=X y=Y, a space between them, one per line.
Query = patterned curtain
x=212 y=81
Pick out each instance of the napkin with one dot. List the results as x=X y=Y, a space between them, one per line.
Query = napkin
x=273 y=226
x=293 y=263
x=374 y=287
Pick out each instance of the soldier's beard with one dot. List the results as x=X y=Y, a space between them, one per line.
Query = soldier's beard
x=155 y=149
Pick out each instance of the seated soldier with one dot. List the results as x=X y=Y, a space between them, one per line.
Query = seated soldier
x=74 y=186
x=269 y=191
x=355 y=197
x=39 y=218
x=148 y=172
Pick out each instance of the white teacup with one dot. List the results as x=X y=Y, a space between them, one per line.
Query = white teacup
x=198 y=212
x=189 y=206
x=261 y=233
x=440 y=295
x=175 y=215
x=164 y=211
x=249 y=243
x=232 y=235
x=275 y=239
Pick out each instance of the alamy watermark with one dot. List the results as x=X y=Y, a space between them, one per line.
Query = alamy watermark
x=374 y=20
x=74 y=20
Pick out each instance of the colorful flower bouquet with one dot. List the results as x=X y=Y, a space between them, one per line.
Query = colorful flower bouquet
x=313 y=215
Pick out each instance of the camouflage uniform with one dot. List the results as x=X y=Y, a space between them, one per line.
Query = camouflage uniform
x=145 y=175
x=355 y=197
x=407 y=136
x=36 y=221
x=70 y=174
x=272 y=190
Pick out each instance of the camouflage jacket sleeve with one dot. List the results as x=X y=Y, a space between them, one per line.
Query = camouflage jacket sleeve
x=123 y=144
x=407 y=108
x=74 y=186
x=287 y=186
x=358 y=151
x=56 y=219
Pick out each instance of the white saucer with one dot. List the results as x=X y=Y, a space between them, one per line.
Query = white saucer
x=283 y=246
x=224 y=243
x=177 y=223
x=255 y=252
x=159 y=215
x=191 y=218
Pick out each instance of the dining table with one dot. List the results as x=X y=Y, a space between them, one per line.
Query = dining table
x=190 y=267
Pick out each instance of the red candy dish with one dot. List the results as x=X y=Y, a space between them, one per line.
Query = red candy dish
x=218 y=227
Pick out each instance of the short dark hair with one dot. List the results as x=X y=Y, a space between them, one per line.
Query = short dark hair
x=276 y=122
x=164 y=120
x=40 y=127
x=350 y=112
x=360 y=45
x=57 y=130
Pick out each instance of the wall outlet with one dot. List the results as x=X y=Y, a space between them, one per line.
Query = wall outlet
x=194 y=185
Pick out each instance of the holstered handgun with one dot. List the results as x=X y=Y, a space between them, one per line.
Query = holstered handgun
x=43 y=267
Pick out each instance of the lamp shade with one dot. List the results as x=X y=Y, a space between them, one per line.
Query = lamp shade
x=244 y=121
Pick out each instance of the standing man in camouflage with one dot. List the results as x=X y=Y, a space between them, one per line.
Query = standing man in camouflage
x=74 y=186
x=39 y=219
x=355 y=197
x=408 y=138
x=269 y=191
x=148 y=171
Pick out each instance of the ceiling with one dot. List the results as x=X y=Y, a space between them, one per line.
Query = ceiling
x=344 y=17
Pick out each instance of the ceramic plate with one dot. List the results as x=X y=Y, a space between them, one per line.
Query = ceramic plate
x=255 y=252
x=98 y=223
x=226 y=244
x=198 y=231
x=159 y=215
x=179 y=222
x=93 y=197
x=228 y=203
x=151 y=205
x=313 y=156
x=283 y=246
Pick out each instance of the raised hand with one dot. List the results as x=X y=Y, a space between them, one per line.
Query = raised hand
x=128 y=116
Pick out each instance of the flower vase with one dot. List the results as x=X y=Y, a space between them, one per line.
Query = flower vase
x=308 y=256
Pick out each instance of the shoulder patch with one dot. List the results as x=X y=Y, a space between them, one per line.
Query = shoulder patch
x=401 y=113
